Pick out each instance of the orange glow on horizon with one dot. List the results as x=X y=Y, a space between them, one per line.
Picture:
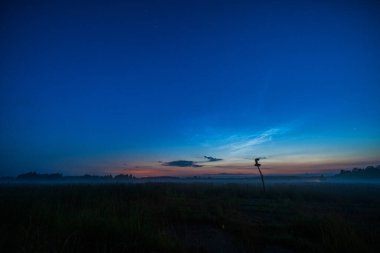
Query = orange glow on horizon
x=183 y=172
x=269 y=169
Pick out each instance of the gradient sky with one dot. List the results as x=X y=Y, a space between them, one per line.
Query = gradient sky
x=106 y=87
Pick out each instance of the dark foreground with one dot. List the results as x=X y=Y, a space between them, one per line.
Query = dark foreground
x=190 y=218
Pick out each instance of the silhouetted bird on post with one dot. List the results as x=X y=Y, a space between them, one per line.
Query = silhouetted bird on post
x=257 y=164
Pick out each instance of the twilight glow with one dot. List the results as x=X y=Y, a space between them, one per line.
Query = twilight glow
x=150 y=89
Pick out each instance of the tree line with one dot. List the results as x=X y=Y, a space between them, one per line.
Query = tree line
x=58 y=176
x=368 y=172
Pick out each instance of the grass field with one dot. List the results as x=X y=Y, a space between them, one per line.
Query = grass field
x=190 y=218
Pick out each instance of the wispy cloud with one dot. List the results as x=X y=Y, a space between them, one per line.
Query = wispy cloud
x=243 y=144
x=188 y=163
x=182 y=163
x=212 y=159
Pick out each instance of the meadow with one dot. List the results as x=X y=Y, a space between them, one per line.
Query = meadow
x=194 y=217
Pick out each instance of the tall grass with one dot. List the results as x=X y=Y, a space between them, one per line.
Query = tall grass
x=172 y=218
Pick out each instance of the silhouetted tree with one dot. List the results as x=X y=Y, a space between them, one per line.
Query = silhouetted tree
x=124 y=176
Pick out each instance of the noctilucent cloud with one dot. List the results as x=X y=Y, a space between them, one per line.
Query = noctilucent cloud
x=188 y=87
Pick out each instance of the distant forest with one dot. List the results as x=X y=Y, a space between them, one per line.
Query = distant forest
x=370 y=172
x=59 y=176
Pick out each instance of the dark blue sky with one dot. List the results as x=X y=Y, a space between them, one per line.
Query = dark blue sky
x=115 y=86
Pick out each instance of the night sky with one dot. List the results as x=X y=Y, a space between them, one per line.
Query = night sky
x=152 y=87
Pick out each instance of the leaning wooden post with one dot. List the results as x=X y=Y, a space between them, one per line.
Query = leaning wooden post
x=257 y=164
